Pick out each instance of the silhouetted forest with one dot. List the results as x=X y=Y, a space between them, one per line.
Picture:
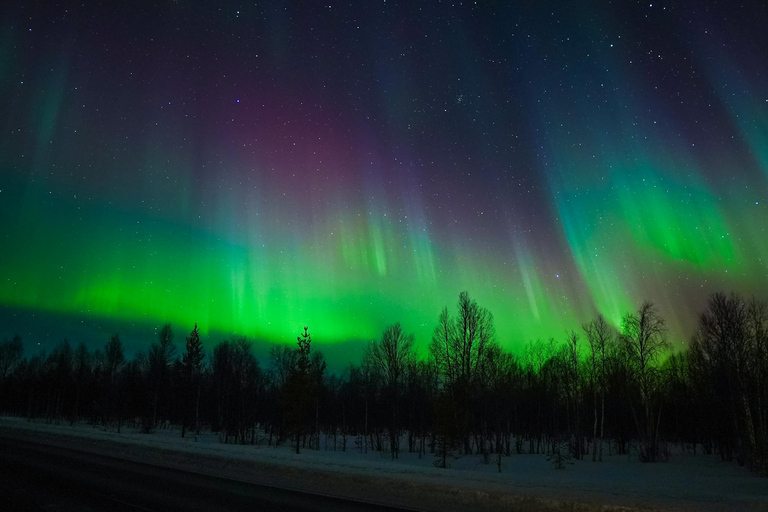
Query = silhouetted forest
x=596 y=392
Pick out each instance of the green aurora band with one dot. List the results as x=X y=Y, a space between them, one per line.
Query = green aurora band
x=623 y=200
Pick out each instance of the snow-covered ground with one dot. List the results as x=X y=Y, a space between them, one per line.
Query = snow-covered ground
x=527 y=482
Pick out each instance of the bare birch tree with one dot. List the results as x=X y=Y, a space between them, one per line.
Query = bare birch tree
x=644 y=338
x=391 y=356
x=599 y=335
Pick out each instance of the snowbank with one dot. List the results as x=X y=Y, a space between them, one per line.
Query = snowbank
x=527 y=482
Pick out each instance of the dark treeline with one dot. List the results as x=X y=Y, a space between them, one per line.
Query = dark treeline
x=597 y=392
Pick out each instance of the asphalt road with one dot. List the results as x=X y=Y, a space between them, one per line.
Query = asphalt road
x=39 y=477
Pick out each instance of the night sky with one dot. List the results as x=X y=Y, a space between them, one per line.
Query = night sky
x=260 y=167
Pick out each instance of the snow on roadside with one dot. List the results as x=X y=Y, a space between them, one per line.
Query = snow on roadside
x=686 y=482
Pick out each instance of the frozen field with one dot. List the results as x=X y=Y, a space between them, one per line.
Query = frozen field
x=527 y=482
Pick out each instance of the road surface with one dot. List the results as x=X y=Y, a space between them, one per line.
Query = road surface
x=36 y=477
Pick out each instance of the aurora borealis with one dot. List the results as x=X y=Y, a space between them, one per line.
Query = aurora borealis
x=258 y=168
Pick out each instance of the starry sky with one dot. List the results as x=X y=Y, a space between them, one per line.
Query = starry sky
x=258 y=167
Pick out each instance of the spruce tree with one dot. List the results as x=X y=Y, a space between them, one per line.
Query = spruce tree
x=192 y=365
x=301 y=387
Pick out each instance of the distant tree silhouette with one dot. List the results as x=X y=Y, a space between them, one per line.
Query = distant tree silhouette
x=447 y=433
x=159 y=362
x=59 y=368
x=421 y=387
x=83 y=373
x=501 y=375
x=221 y=374
x=192 y=368
x=113 y=361
x=283 y=361
x=318 y=388
x=362 y=389
x=237 y=379
x=391 y=357
x=10 y=356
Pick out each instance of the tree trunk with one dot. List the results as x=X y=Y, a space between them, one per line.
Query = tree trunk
x=594 y=431
x=602 y=424
x=197 y=412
